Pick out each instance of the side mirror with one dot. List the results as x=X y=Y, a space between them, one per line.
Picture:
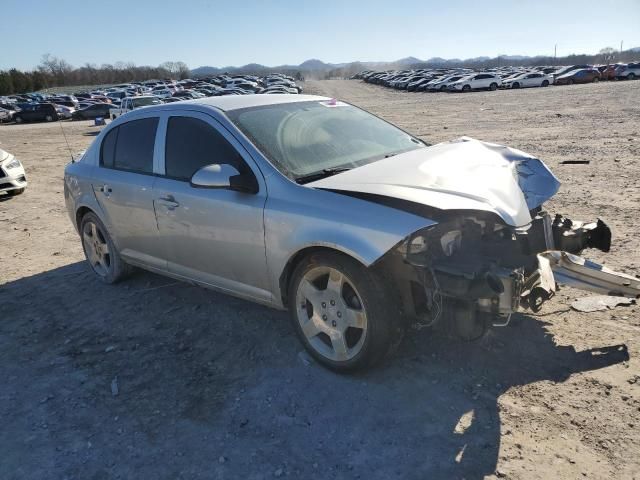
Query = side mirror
x=224 y=176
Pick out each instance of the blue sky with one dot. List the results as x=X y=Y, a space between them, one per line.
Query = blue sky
x=232 y=32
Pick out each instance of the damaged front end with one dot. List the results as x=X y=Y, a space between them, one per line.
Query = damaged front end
x=478 y=270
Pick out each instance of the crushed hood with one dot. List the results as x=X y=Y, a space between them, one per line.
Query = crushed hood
x=463 y=174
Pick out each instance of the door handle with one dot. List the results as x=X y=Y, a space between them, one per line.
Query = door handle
x=169 y=201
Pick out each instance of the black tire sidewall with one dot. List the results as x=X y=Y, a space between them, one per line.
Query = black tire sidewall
x=384 y=328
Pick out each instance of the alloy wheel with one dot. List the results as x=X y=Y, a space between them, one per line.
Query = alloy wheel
x=330 y=313
x=96 y=249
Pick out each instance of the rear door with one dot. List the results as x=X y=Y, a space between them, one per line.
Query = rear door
x=214 y=236
x=124 y=189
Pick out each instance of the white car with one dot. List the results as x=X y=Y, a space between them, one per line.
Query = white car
x=13 y=180
x=628 y=72
x=131 y=103
x=529 y=79
x=476 y=81
x=442 y=84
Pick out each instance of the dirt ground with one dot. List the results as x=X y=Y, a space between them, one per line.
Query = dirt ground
x=154 y=379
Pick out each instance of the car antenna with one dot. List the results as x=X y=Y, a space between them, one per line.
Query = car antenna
x=66 y=141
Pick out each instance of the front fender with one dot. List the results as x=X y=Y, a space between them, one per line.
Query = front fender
x=318 y=218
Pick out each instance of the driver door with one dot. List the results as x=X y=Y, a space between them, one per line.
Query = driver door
x=210 y=235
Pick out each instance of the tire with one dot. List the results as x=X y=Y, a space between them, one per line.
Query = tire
x=18 y=119
x=631 y=76
x=515 y=85
x=17 y=191
x=443 y=88
x=349 y=323
x=595 y=80
x=100 y=252
x=493 y=87
x=466 y=88
x=48 y=118
x=545 y=83
x=570 y=81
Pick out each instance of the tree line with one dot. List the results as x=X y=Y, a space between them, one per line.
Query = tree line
x=56 y=72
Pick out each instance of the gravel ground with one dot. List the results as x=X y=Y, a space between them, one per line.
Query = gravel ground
x=162 y=380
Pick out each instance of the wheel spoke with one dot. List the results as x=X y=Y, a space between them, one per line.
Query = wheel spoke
x=334 y=285
x=310 y=293
x=94 y=233
x=313 y=326
x=104 y=247
x=339 y=344
x=355 y=318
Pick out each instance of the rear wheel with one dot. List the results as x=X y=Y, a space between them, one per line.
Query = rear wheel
x=19 y=119
x=570 y=82
x=466 y=88
x=493 y=87
x=596 y=79
x=545 y=83
x=344 y=314
x=100 y=251
x=17 y=191
x=631 y=76
x=48 y=118
x=515 y=85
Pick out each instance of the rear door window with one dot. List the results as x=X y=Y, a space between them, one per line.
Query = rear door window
x=130 y=146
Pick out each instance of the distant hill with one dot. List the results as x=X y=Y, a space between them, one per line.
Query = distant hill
x=320 y=69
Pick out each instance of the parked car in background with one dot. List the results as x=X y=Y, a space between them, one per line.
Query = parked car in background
x=13 y=179
x=584 y=75
x=442 y=84
x=479 y=81
x=628 y=72
x=525 y=80
x=93 y=111
x=36 y=112
x=607 y=72
x=128 y=104
x=64 y=112
x=6 y=115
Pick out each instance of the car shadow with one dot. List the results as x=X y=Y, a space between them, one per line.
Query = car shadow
x=159 y=379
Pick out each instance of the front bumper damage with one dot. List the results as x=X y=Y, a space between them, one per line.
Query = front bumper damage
x=477 y=267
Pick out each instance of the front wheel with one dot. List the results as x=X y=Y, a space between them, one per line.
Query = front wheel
x=18 y=119
x=100 y=252
x=631 y=76
x=466 y=88
x=545 y=83
x=344 y=314
x=515 y=85
x=48 y=118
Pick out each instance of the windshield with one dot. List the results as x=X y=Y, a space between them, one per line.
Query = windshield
x=308 y=137
x=145 y=101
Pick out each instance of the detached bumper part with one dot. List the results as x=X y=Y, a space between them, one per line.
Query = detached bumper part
x=577 y=272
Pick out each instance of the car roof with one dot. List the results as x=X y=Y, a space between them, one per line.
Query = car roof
x=227 y=103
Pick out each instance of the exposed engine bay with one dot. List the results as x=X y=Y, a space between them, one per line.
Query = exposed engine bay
x=478 y=271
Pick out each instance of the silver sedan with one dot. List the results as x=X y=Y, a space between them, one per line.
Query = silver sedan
x=310 y=204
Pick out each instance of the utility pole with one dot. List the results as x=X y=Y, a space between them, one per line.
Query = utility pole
x=555 y=53
x=621 y=41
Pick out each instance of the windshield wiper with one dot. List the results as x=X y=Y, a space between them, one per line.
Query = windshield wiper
x=324 y=173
